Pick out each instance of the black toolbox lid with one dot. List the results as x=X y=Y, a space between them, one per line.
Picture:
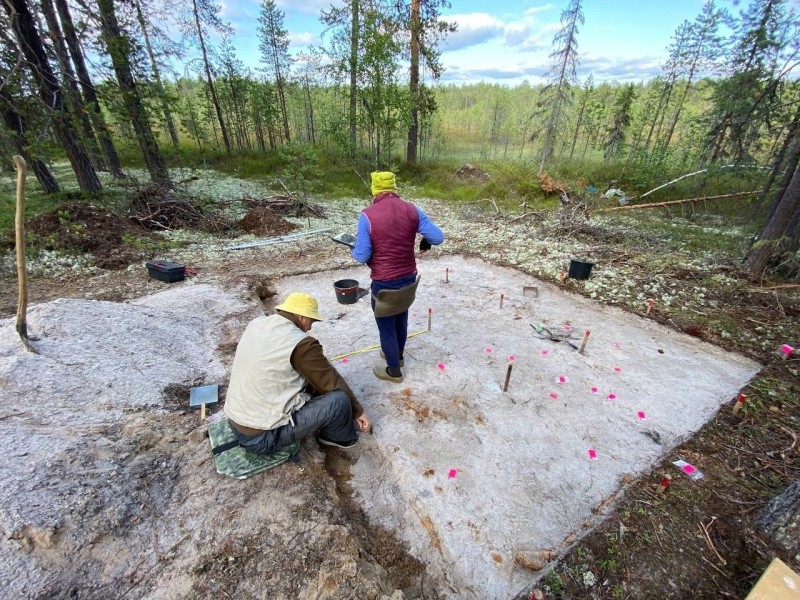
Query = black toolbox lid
x=164 y=265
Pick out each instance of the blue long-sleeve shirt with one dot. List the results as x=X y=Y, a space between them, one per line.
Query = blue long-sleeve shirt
x=363 y=250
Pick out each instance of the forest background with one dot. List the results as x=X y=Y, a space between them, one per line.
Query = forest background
x=96 y=82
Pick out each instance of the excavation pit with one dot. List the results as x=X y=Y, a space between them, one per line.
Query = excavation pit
x=471 y=477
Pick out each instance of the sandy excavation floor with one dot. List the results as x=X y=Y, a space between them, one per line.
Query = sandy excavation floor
x=108 y=489
x=472 y=478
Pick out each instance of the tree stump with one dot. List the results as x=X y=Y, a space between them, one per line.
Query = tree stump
x=779 y=524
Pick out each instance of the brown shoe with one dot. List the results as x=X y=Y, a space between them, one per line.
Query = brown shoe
x=402 y=362
x=382 y=372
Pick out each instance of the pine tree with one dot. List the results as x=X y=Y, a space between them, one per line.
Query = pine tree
x=622 y=118
x=119 y=49
x=745 y=100
x=426 y=31
x=50 y=92
x=274 y=46
x=557 y=94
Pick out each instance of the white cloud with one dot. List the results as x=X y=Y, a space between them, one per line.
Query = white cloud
x=302 y=39
x=473 y=29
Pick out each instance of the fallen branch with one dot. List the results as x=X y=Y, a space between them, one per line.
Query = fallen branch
x=704 y=530
x=674 y=202
x=661 y=187
x=767 y=289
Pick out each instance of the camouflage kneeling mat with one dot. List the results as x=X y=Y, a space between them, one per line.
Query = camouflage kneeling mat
x=237 y=462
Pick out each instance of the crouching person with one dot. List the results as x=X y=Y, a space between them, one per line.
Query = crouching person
x=282 y=387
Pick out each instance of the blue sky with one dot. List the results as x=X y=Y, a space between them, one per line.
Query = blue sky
x=506 y=41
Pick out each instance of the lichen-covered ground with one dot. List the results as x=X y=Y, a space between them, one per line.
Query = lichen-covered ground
x=695 y=539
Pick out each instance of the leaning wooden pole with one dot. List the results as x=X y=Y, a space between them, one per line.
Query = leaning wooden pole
x=19 y=227
x=674 y=202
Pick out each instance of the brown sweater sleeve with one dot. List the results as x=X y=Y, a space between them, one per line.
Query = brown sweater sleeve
x=309 y=360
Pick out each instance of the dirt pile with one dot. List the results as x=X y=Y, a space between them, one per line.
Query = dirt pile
x=84 y=228
x=264 y=221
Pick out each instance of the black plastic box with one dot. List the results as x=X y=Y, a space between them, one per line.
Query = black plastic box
x=166 y=271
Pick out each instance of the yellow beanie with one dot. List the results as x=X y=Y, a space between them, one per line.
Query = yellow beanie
x=383 y=181
x=299 y=303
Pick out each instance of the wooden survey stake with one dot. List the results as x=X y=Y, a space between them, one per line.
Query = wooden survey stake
x=585 y=340
x=508 y=376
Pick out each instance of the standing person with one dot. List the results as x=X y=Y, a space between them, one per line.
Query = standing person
x=282 y=387
x=385 y=241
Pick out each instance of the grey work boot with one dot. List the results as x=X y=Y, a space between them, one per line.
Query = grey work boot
x=388 y=374
x=402 y=362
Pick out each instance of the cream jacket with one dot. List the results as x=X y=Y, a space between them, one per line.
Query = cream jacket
x=264 y=389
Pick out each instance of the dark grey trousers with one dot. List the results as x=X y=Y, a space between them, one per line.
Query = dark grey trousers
x=329 y=413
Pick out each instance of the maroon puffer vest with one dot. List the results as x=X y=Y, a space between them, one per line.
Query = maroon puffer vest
x=393 y=227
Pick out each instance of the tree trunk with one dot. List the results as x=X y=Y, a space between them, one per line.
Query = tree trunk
x=225 y=139
x=51 y=93
x=118 y=48
x=353 y=74
x=310 y=114
x=73 y=95
x=792 y=149
x=89 y=93
x=173 y=133
x=16 y=125
x=766 y=247
x=413 y=130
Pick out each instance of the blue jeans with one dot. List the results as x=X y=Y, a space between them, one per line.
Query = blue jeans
x=331 y=414
x=393 y=330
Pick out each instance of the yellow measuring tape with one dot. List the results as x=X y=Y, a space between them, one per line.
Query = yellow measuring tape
x=375 y=346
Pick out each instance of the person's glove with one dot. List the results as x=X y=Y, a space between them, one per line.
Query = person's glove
x=424 y=245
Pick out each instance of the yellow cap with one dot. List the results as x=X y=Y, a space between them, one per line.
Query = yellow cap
x=383 y=181
x=300 y=303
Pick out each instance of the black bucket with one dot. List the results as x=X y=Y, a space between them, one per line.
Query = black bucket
x=346 y=291
x=580 y=268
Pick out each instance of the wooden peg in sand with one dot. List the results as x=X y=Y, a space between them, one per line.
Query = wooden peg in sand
x=430 y=311
x=585 y=341
x=665 y=481
x=650 y=303
x=501 y=300
x=508 y=376
x=737 y=406
x=447 y=275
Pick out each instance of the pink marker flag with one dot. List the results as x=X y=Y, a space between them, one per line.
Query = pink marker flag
x=612 y=396
x=592 y=454
x=345 y=360
x=441 y=366
x=511 y=358
x=545 y=352
x=413 y=314
x=562 y=379
x=567 y=327
x=617 y=369
x=617 y=345
x=488 y=350
x=688 y=469
x=595 y=390
x=787 y=349
x=452 y=473
x=554 y=396
x=641 y=416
